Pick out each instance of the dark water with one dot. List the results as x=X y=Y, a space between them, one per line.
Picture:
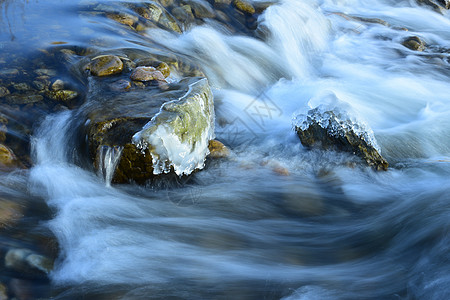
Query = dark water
x=274 y=220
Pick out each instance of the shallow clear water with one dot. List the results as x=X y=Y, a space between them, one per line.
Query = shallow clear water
x=275 y=220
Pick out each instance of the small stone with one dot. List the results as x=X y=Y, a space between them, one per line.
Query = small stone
x=62 y=95
x=25 y=260
x=58 y=85
x=45 y=72
x=121 y=85
x=3 y=91
x=9 y=72
x=40 y=85
x=183 y=13
x=22 y=87
x=218 y=150
x=147 y=74
x=152 y=12
x=169 y=22
x=414 y=43
x=163 y=68
x=105 y=65
x=244 y=6
x=166 y=3
x=7 y=158
x=18 y=99
x=201 y=8
x=10 y=213
x=123 y=18
x=222 y=2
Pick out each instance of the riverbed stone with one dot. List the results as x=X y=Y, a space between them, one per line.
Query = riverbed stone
x=123 y=18
x=57 y=85
x=335 y=130
x=62 y=95
x=244 y=6
x=437 y=5
x=184 y=14
x=201 y=8
x=414 y=43
x=136 y=125
x=10 y=213
x=146 y=74
x=151 y=12
x=7 y=158
x=26 y=261
x=105 y=65
x=3 y=91
x=217 y=149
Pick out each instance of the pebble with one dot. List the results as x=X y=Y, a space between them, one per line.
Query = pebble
x=62 y=95
x=7 y=158
x=121 y=84
x=147 y=74
x=218 y=150
x=105 y=65
x=414 y=43
x=244 y=6
x=58 y=85
x=3 y=91
x=10 y=213
x=123 y=18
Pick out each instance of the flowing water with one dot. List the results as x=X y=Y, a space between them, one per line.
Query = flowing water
x=275 y=220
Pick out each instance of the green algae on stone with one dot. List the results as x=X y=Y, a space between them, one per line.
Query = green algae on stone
x=105 y=65
x=178 y=136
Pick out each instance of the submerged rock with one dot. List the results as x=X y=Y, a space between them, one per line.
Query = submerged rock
x=414 y=43
x=329 y=127
x=437 y=5
x=218 y=150
x=149 y=132
x=105 y=65
x=147 y=74
x=7 y=158
x=244 y=6
x=28 y=262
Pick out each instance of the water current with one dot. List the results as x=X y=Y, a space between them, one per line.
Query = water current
x=275 y=220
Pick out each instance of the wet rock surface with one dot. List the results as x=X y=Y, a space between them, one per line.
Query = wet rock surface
x=128 y=115
x=106 y=65
x=437 y=5
x=414 y=43
x=329 y=129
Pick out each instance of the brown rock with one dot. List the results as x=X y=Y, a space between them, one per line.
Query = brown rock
x=58 y=85
x=244 y=6
x=10 y=213
x=147 y=74
x=218 y=150
x=123 y=18
x=3 y=91
x=7 y=158
x=414 y=43
x=121 y=85
x=105 y=65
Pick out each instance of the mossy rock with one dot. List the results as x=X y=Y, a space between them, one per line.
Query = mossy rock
x=184 y=108
x=414 y=43
x=105 y=65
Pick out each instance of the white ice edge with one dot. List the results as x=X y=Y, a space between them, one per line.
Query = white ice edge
x=167 y=149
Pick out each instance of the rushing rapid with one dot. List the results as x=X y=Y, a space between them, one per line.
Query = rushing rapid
x=275 y=220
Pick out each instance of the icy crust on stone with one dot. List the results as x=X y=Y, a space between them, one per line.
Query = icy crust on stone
x=177 y=137
x=337 y=118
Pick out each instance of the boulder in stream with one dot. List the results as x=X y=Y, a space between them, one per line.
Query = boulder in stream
x=146 y=133
x=330 y=127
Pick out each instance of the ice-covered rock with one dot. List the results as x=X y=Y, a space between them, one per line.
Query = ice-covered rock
x=157 y=132
x=331 y=126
